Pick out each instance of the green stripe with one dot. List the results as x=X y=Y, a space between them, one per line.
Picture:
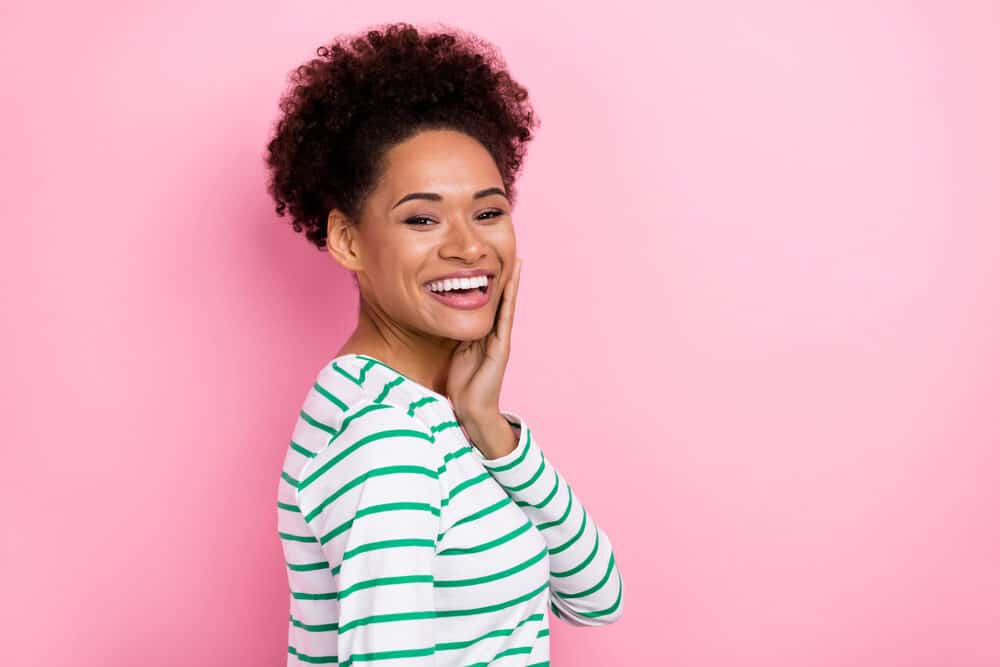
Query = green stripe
x=389 y=544
x=360 y=479
x=503 y=539
x=494 y=633
x=314 y=596
x=322 y=627
x=483 y=512
x=444 y=613
x=315 y=422
x=492 y=577
x=569 y=543
x=531 y=480
x=472 y=481
x=387 y=618
x=457 y=454
x=515 y=462
x=419 y=402
x=351 y=417
x=307 y=567
x=288 y=478
x=374 y=509
x=296 y=538
x=330 y=397
x=360 y=381
x=597 y=537
x=347 y=451
x=441 y=613
x=345 y=423
x=442 y=646
x=552 y=493
x=301 y=450
x=287 y=506
x=437 y=428
x=315 y=659
x=550 y=496
x=595 y=587
x=551 y=524
x=517 y=650
x=372 y=361
x=387 y=581
x=609 y=610
x=387 y=388
x=457 y=645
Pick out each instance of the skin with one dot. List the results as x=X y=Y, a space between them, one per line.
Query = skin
x=395 y=249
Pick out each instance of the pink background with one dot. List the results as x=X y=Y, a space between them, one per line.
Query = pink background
x=758 y=324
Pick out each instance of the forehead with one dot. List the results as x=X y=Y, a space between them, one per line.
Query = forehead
x=443 y=161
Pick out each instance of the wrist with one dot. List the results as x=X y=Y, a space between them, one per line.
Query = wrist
x=494 y=435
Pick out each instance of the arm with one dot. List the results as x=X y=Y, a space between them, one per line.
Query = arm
x=373 y=501
x=585 y=582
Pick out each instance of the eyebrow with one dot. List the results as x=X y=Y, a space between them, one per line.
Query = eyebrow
x=433 y=196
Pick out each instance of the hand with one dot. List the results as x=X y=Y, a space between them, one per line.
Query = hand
x=477 y=366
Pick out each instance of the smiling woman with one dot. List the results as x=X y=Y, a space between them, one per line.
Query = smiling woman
x=428 y=218
x=421 y=525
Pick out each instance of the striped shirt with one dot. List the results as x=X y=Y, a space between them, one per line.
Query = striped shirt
x=405 y=547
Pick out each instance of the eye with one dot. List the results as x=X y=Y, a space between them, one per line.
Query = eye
x=416 y=220
x=418 y=217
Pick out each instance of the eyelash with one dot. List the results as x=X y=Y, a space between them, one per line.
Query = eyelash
x=424 y=217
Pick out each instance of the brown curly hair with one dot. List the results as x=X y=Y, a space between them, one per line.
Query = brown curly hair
x=365 y=93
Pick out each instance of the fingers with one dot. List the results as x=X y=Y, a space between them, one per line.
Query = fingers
x=505 y=325
x=516 y=279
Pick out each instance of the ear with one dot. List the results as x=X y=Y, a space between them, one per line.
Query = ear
x=342 y=240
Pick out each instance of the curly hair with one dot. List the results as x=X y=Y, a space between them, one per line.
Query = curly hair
x=344 y=110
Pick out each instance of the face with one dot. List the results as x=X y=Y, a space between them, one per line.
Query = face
x=439 y=208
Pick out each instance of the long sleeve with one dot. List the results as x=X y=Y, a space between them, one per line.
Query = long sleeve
x=373 y=502
x=585 y=582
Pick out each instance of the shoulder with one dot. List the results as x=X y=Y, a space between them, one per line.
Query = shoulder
x=354 y=400
x=352 y=384
x=340 y=388
x=379 y=450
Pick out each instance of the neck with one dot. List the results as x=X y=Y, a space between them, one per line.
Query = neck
x=425 y=359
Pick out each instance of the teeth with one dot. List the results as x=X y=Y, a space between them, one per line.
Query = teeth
x=458 y=283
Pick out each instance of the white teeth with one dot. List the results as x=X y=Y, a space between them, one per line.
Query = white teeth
x=458 y=283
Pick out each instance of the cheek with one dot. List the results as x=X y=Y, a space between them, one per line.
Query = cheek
x=500 y=238
x=508 y=251
x=397 y=258
x=399 y=273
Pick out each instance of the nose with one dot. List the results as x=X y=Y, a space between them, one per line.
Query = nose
x=463 y=241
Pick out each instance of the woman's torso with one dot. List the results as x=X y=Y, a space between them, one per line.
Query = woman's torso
x=491 y=567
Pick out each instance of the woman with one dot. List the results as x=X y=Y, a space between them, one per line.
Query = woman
x=420 y=524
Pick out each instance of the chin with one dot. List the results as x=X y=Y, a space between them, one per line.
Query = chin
x=471 y=331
